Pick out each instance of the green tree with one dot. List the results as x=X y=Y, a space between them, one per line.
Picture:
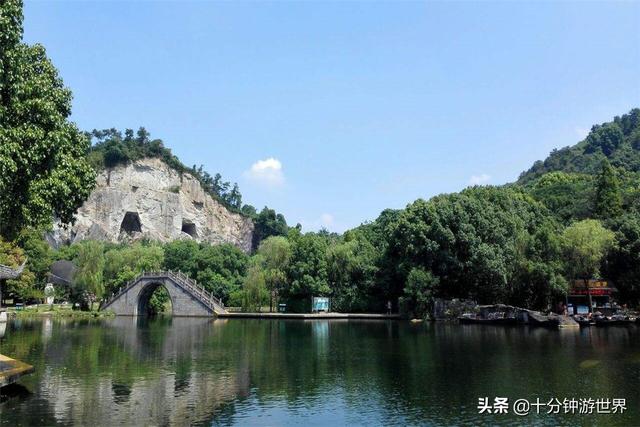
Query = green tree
x=275 y=253
x=623 y=266
x=88 y=280
x=586 y=243
x=608 y=195
x=22 y=288
x=606 y=138
x=419 y=292
x=538 y=279
x=44 y=172
x=38 y=252
x=569 y=196
x=307 y=272
x=124 y=263
x=268 y=223
x=254 y=289
x=474 y=242
x=181 y=255
x=616 y=140
x=219 y=268
x=351 y=273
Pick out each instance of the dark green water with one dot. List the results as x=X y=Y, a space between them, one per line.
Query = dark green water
x=126 y=371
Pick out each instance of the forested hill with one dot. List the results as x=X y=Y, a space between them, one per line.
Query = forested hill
x=618 y=140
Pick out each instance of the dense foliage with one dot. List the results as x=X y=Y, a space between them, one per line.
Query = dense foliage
x=516 y=244
x=623 y=262
x=572 y=216
x=618 y=141
x=43 y=168
x=485 y=243
x=597 y=178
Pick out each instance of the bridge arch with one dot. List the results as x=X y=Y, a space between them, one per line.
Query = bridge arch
x=144 y=297
x=187 y=297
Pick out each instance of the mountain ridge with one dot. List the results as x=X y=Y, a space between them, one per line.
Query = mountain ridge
x=617 y=140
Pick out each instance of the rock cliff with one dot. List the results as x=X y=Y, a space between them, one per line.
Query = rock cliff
x=148 y=199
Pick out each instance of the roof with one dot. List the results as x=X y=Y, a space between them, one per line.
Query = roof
x=7 y=272
x=62 y=272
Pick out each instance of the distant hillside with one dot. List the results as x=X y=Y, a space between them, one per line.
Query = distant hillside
x=566 y=182
x=619 y=141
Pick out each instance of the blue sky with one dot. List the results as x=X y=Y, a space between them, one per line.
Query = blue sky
x=330 y=112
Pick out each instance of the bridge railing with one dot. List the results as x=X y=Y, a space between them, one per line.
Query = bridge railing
x=195 y=287
x=179 y=277
x=122 y=290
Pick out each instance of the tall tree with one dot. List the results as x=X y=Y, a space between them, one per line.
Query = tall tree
x=608 y=194
x=254 y=290
x=275 y=254
x=88 y=279
x=43 y=168
x=586 y=243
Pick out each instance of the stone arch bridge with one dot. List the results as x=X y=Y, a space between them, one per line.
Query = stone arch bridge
x=188 y=298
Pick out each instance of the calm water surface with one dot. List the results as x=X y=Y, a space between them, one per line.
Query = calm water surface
x=127 y=371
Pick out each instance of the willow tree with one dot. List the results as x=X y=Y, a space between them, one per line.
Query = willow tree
x=586 y=243
x=89 y=278
x=43 y=168
x=275 y=252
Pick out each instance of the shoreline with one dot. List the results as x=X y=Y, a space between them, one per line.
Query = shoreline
x=62 y=314
x=310 y=316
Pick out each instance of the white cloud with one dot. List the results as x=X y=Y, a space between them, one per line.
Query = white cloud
x=326 y=220
x=267 y=172
x=481 y=179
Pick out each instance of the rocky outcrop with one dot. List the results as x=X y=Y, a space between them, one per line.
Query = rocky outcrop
x=148 y=199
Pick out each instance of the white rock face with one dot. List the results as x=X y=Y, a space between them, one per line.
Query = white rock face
x=148 y=199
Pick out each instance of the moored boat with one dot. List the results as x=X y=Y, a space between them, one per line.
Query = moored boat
x=615 y=320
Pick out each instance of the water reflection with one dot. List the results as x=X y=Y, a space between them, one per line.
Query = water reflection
x=201 y=371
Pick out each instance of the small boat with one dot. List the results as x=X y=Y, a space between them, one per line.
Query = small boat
x=584 y=322
x=614 y=321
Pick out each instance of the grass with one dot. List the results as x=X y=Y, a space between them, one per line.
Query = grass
x=56 y=310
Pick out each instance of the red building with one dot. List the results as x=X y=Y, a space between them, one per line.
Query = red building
x=600 y=292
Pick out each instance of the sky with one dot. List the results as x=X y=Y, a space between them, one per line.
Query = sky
x=330 y=112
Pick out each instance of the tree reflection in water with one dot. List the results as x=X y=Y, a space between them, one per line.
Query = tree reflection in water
x=198 y=371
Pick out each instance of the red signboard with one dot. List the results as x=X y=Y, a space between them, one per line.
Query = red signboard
x=594 y=292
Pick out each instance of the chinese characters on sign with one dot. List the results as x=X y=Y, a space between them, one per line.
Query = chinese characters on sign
x=585 y=406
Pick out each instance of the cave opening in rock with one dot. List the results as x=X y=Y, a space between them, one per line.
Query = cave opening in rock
x=189 y=228
x=131 y=223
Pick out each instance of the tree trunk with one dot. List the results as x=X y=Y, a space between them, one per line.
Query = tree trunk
x=586 y=284
x=2 y=282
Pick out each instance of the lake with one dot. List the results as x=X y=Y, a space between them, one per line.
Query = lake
x=201 y=371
